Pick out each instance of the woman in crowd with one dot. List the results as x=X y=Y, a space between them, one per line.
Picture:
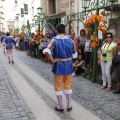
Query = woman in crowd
x=44 y=42
x=115 y=38
x=116 y=69
x=108 y=50
x=72 y=37
x=81 y=43
x=9 y=47
x=116 y=73
x=41 y=47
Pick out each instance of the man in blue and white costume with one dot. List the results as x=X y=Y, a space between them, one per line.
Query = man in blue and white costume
x=9 y=47
x=63 y=48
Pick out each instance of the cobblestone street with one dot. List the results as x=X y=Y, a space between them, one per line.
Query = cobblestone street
x=14 y=105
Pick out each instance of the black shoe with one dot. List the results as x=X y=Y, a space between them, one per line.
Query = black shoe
x=9 y=62
x=116 y=92
x=59 y=110
x=69 y=109
x=12 y=62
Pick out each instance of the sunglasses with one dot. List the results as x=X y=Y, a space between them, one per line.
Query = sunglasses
x=108 y=37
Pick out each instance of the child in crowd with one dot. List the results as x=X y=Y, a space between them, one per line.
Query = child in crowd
x=79 y=66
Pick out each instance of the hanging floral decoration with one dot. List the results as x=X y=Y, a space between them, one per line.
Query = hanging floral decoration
x=38 y=33
x=22 y=33
x=102 y=26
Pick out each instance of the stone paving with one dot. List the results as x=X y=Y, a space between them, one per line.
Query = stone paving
x=12 y=105
x=102 y=103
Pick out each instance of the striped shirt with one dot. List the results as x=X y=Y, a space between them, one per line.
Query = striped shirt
x=88 y=47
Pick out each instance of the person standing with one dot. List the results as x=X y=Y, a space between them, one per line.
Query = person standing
x=81 y=43
x=88 y=51
x=108 y=50
x=9 y=47
x=63 y=48
x=72 y=37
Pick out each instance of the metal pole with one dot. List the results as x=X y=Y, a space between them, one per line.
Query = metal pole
x=38 y=38
x=69 y=15
x=94 y=76
x=77 y=17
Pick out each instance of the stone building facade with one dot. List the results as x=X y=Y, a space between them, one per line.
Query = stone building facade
x=56 y=9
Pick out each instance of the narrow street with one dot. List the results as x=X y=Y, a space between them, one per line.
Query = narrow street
x=27 y=93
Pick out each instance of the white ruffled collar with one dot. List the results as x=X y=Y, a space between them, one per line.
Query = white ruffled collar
x=61 y=37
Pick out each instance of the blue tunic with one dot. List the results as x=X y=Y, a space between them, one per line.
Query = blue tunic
x=8 y=41
x=63 y=47
x=3 y=37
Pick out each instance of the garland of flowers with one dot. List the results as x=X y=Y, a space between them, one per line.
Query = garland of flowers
x=102 y=26
x=22 y=33
x=38 y=33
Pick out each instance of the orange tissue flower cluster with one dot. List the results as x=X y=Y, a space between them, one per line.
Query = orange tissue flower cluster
x=94 y=41
x=22 y=34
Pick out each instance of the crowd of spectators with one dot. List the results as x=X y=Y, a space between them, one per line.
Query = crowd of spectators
x=82 y=59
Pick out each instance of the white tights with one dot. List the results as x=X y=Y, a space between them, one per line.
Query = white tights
x=106 y=69
x=10 y=57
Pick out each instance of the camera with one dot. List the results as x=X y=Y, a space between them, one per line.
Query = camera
x=104 y=54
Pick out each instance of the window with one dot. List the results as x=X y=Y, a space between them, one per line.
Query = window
x=52 y=6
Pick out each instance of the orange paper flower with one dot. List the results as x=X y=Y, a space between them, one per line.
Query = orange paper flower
x=22 y=28
x=94 y=44
x=104 y=22
x=104 y=30
x=91 y=20
x=87 y=22
x=92 y=37
x=94 y=16
x=96 y=39
x=87 y=30
x=99 y=18
x=99 y=27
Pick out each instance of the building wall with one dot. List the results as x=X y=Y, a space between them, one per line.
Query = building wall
x=10 y=25
x=61 y=6
x=31 y=12
x=2 y=18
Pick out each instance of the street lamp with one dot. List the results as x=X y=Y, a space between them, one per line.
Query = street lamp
x=39 y=21
x=91 y=7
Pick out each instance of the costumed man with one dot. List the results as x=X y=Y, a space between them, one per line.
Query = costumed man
x=63 y=48
x=9 y=47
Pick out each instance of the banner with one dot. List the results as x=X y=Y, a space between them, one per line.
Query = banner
x=26 y=9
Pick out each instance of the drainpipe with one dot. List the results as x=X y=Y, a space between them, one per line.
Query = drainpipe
x=69 y=15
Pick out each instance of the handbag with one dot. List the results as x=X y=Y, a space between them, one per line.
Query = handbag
x=81 y=44
x=116 y=60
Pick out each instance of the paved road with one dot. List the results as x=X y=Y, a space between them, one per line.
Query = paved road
x=27 y=94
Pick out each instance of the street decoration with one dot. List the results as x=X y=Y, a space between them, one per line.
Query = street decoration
x=102 y=26
x=22 y=33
